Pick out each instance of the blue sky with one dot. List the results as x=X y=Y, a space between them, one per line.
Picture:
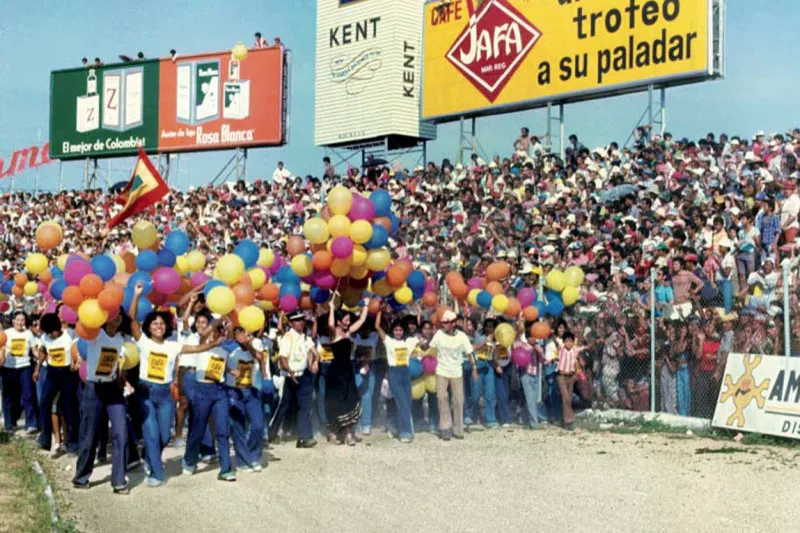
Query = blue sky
x=37 y=36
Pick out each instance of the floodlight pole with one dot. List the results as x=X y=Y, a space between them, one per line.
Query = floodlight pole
x=550 y=120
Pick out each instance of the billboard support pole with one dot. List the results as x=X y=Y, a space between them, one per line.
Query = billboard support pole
x=561 y=130
x=60 y=175
x=473 y=134
x=244 y=164
x=461 y=141
x=663 y=110
x=424 y=153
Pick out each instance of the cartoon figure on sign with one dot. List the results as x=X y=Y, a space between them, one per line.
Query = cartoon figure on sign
x=743 y=392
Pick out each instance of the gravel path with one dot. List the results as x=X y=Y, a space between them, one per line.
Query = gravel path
x=511 y=479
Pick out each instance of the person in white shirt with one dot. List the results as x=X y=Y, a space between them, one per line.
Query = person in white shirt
x=190 y=335
x=398 y=349
x=281 y=174
x=451 y=346
x=103 y=394
x=245 y=405
x=17 y=375
x=260 y=42
x=61 y=378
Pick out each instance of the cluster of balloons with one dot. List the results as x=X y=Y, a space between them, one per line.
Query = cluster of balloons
x=423 y=376
x=564 y=287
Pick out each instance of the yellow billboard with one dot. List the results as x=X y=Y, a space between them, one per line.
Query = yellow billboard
x=489 y=56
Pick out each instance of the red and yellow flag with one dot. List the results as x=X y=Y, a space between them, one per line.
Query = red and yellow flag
x=145 y=188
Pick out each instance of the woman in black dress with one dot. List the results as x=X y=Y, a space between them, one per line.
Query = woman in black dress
x=342 y=407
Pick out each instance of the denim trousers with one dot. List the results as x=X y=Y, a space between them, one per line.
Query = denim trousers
x=400 y=387
x=502 y=386
x=366 y=389
x=63 y=380
x=300 y=394
x=246 y=412
x=323 y=371
x=684 y=392
x=483 y=386
x=158 y=410
x=530 y=386
x=18 y=396
x=101 y=403
x=207 y=399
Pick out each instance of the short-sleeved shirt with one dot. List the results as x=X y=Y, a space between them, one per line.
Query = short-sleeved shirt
x=243 y=361
x=157 y=360
x=398 y=351
x=210 y=365
x=18 y=346
x=365 y=349
x=295 y=348
x=188 y=338
x=58 y=350
x=450 y=351
x=102 y=358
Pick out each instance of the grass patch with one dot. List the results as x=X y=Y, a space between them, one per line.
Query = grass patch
x=724 y=449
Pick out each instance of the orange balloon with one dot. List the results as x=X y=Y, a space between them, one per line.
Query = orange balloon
x=460 y=291
x=530 y=313
x=396 y=276
x=17 y=290
x=130 y=262
x=405 y=265
x=186 y=284
x=48 y=236
x=46 y=277
x=494 y=288
x=383 y=221
x=429 y=299
x=269 y=292
x=91 y=285
x=374 y=306
x=3 y=338
x=305 y=302
x=540 y=330
x=72 y=297
x=244 y=294
x=20 y=280
x=322 y=260
x=498 y=271
x=110 y=298
x=513 y=309
x=85 y=333
x=295 y=245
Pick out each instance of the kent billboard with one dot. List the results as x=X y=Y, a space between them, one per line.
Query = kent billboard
x=483 y=57
x=193 y=103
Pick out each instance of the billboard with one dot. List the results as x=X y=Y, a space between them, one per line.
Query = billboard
x=760 y=393
x=488 y=56
x=368 y=72
x=199 y=102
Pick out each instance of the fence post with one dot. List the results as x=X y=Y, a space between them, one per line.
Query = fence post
x=540 y=295
x=652 y=340
x=787 y=344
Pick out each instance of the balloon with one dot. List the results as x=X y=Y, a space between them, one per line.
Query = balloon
x=361 y=231
x=257 y=278
x=177 y=242
x=416 y=280
x=144 y=278
x=382 y=201
x=359 y=256
x=291 y=289
x=131 y=358
x=147 y=261
x=36 y=263
x=380 y=236
x=166 y=280
x=20 y=280
x=570 y=295
x=541 y=307
x=361 y=209
x=197 y=261
x=540 y=330
x=342 y=247
x=395 y=223
x=555 y=280
x=168 y=259
x=248 y=251
x=429 y=299
x=530 y=313
x=555 y=307
x=230 y=269
x=521 y=357
x=513 y=309
x=221 y=300
x=57 y=288
x=430 y=384
x=378 y=259
x=198 y=278
x=396 y=276
x=119 y=265
x=73 y=297
x=382 y=288
x=403 y=295
x=130 y=262
x=340 y=200
x=83 y=348
x=270 y=292
x=418 y=389
x=245 y=295
x=49 y=235
x=75 y=271
x=91 y=314
x=68 y=315
x=526 y=296
x=295 y=245
x=316 y=230
x=339 y=226
x=110 y=298
x=359 y=273
x=484 y=299
x=85 y=333
x=288 y=303
x=251 y=318
x=30 y=288
x=573 y=276
x=494 y=288
x=104 y=266
x=499 y=303
x=302 y=265
x=429 y=364
x=475 y=283
x=505 y=334
x=61 y=262
x=266 y=258
x=91 y=285
x=212 y=284
x=144 y=235
x=319 y=296
x=322 y=260
x=498 y=271
x=56 y=272
x=384 y=222
x=83 y=370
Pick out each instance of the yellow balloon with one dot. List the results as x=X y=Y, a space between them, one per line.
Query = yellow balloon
x=430 y=383
x=359 y=272
x=570 y=295
x=403 y=295
x=266 y=258
x=351 y=297
x=239 y=52
x=378 y=259
x=266 y=305
x=472 y=297
x=340 y=199
x=36 y=263
x=30 y=288
x=500 y=303
x=339 y=226
x=230 y=269
x=418 y=389
x=62 y=261
x=360 y=231
x=91 y=314
x=182 y=265
x=359 y=257
x=382 y=288
x=316 y=230
x=197 y=261
x=119 y=263
x=144 y=235
x=302 y=265
x=555 y=280
x=131 y=358
x=257 y=278
x=251 y=318
x=573 y=277
x=340 y=268
x=221 y=300
x=505 y=335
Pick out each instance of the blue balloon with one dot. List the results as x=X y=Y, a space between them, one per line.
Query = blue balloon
x=395 y=223
x=57 y=288
x=212 y=284
x=166 y=258
x=177 y=242
x=56 y=272
x=7 y=286
x=541 y=307
x=382 y=201
x=379 y=275
x=104 y=266
x=147 y=261
x=248 y=251
x=414 y=368
x=418 y=293
x=395 y=306
x=286 y=275
x=379 y=237
x=291 y=288
x=484 y=299
x=416 y=281
x=144 y=309
x=128 y=299
x=146 y=280
x=83 y=347
x=550 y=294
x=555 y=307
x=319 y=296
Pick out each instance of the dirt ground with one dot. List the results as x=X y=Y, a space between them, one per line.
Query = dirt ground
x=547 y=480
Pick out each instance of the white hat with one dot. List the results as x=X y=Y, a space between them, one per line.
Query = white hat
x=448 y=316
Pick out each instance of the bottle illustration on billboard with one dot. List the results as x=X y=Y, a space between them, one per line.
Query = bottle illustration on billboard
x=87 y=116
x=197 y=91
x=235 y=94
x=122 y=99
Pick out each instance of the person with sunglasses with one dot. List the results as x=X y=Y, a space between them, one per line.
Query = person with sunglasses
x=451 y=347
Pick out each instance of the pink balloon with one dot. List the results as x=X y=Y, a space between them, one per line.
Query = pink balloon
x=198 y=278
x=429 y=365
x=475 y=283
x=75 y=270
x=324 y=280
x=430 y=285
x=4 y=306
x=83 y=370
x=362 y=209
x=288 y=303
x=526 y=296
x=521 y=357
x=166 y=280
x=42 y=287
x=51 y=307
x=47 y=296
x=68 y=315
x=342 y=247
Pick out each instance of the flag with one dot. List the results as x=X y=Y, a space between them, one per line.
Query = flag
x=145 y=188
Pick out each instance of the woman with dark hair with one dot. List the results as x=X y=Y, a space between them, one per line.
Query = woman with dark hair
x=398 y=348
x=157 y=370
x=342 y=407
x=18 y=386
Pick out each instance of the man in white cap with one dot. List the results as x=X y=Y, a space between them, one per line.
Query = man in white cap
x=451 y=346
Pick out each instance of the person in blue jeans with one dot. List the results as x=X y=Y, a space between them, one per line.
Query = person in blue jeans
x=482 y=377
x=157 y=371
x=246 y=415
x=366 y=345
x=418 y=409
x=502 y=383
x=398 y=351
x=17 y=375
